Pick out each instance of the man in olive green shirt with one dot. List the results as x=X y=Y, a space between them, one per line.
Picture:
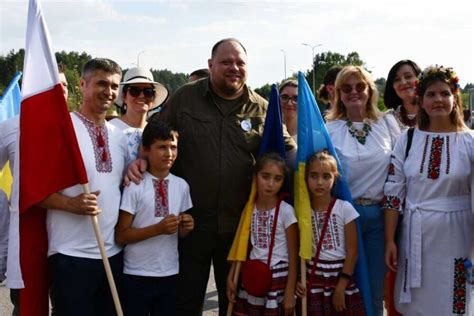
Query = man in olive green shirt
x=220 y=124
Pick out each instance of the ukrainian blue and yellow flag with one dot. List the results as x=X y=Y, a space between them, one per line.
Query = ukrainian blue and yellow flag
x=312 y=137
x=9 y=107
x=272 y=141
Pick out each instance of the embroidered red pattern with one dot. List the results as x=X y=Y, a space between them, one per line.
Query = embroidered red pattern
x=331 y=239
x=161 y=197
x=435 y=157
x=448 y=156
x=391 y=202
x=459 y=289
x=391 y=169
x=425 y=148
x=262 y=223
x=100 y=140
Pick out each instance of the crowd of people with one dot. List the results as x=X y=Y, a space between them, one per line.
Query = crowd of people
x=166 y=217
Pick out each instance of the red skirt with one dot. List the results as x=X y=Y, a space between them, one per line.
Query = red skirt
x=319 y=301
x=269 y=305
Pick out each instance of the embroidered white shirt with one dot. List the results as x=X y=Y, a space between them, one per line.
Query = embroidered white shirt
x=365 y=166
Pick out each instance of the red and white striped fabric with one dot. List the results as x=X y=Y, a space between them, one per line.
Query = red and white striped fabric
x=48 y=160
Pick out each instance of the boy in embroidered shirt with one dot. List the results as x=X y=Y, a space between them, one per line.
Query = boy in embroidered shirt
x=149 y=227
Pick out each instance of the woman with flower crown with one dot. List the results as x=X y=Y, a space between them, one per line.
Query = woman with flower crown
x=431 y=171
x=364 y=138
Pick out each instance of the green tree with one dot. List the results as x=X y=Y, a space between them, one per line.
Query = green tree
x=171 y=80
x=73 y=63
x=324 y=61
x=264 y=91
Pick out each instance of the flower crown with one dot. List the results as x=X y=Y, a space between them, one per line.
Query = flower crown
x=441 y=73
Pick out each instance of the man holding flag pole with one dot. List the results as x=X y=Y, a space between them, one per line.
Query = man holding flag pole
x=51 y=165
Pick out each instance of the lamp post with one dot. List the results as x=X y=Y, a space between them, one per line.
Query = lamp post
x=312 y=63
x=138 y=58
x=284 y=62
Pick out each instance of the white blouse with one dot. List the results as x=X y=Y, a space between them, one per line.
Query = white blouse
x=365 y=166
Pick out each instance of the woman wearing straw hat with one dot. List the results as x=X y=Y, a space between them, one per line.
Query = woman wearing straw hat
x=138 y=95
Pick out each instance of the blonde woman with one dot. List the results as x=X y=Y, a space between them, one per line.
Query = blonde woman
x=364 y=139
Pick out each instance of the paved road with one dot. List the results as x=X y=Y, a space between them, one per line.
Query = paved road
x=210 y=303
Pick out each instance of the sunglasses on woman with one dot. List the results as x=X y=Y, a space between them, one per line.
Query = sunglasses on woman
x=136 y=91
x=360 y=87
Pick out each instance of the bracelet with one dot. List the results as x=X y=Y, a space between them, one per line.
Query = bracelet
x=343 y=275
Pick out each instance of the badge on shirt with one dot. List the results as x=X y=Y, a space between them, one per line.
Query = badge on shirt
x=246 y=125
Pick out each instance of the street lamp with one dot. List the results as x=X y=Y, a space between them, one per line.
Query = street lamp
x=138 y=58
x=313 y=63
x=284 y=62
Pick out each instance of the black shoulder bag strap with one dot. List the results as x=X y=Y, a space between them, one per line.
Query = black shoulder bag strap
x=410 y=133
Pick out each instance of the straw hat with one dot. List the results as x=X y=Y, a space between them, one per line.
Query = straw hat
x=142 y=75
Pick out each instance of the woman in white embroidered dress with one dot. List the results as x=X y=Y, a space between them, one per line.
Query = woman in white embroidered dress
x=138 y=95
x=364 y=139
x=399 y=95
x=434 y=180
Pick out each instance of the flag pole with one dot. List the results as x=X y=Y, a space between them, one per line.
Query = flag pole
x=105 y=260
x=304 y=299
x=230 y=306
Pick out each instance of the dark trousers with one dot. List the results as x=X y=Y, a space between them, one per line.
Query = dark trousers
x=154 y=296
x=15 y=299
x=79 y=285
x=196 y=252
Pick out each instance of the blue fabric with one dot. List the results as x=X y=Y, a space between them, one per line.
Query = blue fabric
x=10 y=100
x=272 y=138
x=312 y=137
x=149 y=296
x=372 y=229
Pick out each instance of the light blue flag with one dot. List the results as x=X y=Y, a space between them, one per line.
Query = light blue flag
x=10 y=99
x=312 y=137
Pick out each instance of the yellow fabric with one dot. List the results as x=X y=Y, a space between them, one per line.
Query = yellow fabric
x=6 y=180
x=238 y=251
x=303 y=213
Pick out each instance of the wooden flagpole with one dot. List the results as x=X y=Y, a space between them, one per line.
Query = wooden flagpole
x=304 y=300
x=105 y=260
x=230 y=306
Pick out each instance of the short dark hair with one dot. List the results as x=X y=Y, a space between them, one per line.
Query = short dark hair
x=200 y=73
x=390 y=97
x=225 y=40
x=157 y=130
x=104 y=64
x=329 y=79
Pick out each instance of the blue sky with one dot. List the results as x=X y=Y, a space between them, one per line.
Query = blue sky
x=178 y=35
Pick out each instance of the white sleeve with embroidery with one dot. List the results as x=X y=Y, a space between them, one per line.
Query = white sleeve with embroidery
x=395 y=186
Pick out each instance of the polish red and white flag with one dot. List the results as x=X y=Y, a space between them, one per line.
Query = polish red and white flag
x=48 y=160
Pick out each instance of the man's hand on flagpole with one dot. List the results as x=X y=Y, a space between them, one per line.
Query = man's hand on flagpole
x=135 y=171
x=83 y=204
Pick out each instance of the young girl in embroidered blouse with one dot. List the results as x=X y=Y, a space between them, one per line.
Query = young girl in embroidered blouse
x=432 y=184
x=280 y=300
x=332 y=286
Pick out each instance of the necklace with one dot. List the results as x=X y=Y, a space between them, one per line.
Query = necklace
x=359 y=134
x=404 y=117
